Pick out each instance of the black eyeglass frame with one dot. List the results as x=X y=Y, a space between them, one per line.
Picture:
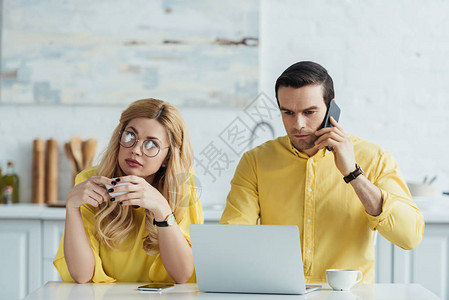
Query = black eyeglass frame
x=136 y=141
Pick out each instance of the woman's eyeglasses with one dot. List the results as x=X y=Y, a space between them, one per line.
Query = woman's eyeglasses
x=149 y=147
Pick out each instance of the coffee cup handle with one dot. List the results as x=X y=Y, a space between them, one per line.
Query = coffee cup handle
x=361 y=276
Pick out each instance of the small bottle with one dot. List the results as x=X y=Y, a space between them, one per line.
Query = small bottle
x=7 y=194
x=10 y=185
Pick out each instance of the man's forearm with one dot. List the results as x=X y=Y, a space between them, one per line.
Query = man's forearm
x=369 y=195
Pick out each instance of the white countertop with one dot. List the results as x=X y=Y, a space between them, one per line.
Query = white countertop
x=100 y=291
x=31 y=211
x=434 y=210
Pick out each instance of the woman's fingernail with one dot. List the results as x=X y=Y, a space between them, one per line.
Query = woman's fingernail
x=117 y=179
x=112 y=199
x=110 y=190
x=113 y=182
x=121 y=202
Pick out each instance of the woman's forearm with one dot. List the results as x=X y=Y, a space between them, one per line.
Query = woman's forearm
x=77 y=250
x=176 y=253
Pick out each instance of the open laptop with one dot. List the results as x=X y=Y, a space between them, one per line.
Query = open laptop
x=248 y=259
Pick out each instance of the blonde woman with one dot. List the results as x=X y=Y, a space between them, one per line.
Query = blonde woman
x=141 y=235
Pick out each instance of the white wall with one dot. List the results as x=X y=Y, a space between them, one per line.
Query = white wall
x=388 y=60
x=389 y=63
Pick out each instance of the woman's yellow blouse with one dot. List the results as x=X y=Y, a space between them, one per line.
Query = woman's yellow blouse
x=131 y=263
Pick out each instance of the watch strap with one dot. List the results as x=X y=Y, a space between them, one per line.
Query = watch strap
x=163 y=223
x=354 y=174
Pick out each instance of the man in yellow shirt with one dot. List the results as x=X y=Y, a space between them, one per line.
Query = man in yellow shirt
x=337 y=199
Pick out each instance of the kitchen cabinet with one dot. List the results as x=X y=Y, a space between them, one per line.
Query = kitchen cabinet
x=20 y=258
x=29 y=238
x=383 y=260
x=428 y=263
x=52 y=233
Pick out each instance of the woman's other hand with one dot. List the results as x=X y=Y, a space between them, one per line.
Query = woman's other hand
x=142 y=194
x=92 y=191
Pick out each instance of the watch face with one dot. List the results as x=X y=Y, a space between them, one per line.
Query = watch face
x=171 y=220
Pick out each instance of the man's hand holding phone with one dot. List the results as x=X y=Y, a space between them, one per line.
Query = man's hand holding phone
x=334 y=136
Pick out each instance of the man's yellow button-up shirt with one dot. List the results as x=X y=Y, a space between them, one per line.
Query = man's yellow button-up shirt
x=278 y=184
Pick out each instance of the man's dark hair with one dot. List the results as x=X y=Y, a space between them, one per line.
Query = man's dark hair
x=307 y=73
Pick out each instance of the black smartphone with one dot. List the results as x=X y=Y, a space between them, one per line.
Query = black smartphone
x=155 y=287
x=334 y=112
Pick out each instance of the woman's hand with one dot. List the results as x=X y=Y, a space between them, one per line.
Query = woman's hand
x=92 y=191
x=142 y=194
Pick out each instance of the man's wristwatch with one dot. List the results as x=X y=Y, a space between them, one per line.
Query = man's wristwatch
x=353 y=175
x=169 y=221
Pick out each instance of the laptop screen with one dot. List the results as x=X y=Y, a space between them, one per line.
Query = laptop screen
x=248 y=258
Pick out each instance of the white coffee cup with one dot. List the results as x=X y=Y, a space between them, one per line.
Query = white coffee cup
x=108 y=186
x=343 y=279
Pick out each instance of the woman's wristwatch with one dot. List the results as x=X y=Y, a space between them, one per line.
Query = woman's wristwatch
x=169 y=221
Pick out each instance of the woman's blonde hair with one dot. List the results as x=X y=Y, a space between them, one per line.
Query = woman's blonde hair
x=115 y=223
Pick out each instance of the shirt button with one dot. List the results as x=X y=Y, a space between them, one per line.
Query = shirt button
x=311 y=159
x=308 y=221
x=309 y=190
x=308 y=251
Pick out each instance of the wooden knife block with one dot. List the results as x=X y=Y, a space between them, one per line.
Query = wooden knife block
x=45 y=171
x=38 y=171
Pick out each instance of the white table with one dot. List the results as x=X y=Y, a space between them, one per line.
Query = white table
x=124 y=291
